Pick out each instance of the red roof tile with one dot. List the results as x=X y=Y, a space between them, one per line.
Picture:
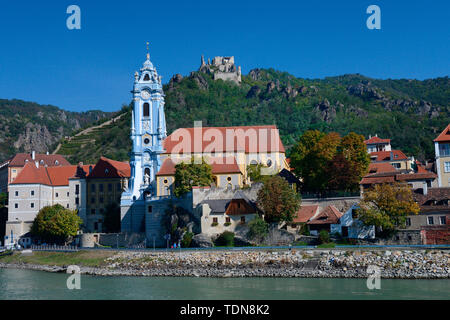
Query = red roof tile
x=444 y=136
x=218 y=166
x=184 y=140
x=386 y=155
x=381 y=167
x=376 y=140
x=330 y=215
x=305 y=213
x=50 y=160
x=107 y=168
x=377 y=180
x=51 y=176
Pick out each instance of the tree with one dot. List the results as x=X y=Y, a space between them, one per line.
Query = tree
x=386 y=206
x=56 y=223
x=258 y=229
x=354 y=150
x=191 y=174
x=311 y=157
x=254 y=173
x=111 y=218
x=278 y=200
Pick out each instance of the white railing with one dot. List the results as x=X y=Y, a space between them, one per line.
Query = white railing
x=53 y=247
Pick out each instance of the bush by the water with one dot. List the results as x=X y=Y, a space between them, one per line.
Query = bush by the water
x=187 y=239
x=258 y=229
x=324 y=236
x=226 y=239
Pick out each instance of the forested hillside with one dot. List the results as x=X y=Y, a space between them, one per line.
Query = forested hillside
x=410 y=112
x=27 y=126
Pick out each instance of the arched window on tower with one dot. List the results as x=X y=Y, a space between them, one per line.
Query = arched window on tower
x=146 y=77
x=146 y=110
x=147 y=172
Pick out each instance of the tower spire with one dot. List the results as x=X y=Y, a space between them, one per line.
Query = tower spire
x=148 y=51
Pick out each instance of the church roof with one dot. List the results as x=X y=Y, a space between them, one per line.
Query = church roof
x=249 y=139
x=218 y=166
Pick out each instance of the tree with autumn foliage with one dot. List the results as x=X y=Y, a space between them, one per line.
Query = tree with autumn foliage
x=386 y=206
x=278 y=200
x=327 y=162
x=192 y=174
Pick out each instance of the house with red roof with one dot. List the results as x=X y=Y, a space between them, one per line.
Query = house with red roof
x=84 y=188
x=11 y=168
x=380 y=151
x=229 y=150
x=442 y=151
x=375 y=144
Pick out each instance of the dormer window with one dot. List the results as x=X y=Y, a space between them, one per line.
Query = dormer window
x=106 y=171
x=146 y=110
x=56 y=162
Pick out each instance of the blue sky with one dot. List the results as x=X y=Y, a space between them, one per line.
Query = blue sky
x=92 y=68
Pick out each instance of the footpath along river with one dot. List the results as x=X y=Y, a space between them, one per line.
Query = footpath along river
x=28 y=284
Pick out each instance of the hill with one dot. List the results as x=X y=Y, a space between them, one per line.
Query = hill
x=410 y=112
x=27 y=126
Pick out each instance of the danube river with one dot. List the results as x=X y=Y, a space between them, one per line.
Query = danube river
x=27 y=284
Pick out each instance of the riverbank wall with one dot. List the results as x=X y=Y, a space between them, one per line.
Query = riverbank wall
x=400 y=264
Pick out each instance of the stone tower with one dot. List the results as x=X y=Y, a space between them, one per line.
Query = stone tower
x=148 y=131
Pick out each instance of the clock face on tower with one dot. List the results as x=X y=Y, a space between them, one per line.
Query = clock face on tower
x=145 y=94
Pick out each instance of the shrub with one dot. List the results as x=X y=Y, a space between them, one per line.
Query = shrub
x=324 y=236
x=225 y=239
x=258 y=229
x=187 y=239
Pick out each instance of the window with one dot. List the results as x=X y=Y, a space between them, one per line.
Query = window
x=408 y=222
x=229 y=179
x=227 y=219
x=92 y=200
x=32 y=205
x=146 y=141
x=166 y=181
x=242 y=219
x=17 y=193
x=146 y=110
x=149 y=209
x=102 y=211
x=93 y=188
x=77 y=201
x=447 y=166
x=67 y=194
x=444 y=150
x=215 y=220
x=269 y=163
x=119 y=187
x=92 y=211
x=101 y=199
x=146 y=77
x=109 y=187
x=77 y=189
x=100 y=187
x=443 y=220
x=32 y=192
x=430 y=220
x=397 y=165
x=56 y=195
x=147 y=172
x=16 y=205
x=67 y=206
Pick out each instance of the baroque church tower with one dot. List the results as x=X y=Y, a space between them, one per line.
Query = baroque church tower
x=148 y=131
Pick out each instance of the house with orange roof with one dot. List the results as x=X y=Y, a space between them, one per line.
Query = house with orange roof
x=442 y=151
x=376 y=144
x=380 y=151
x=11 y=168
x=89 y=189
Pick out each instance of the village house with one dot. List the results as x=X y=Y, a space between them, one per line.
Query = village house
x=442 y=151
x=380 y=152
x=11 y=168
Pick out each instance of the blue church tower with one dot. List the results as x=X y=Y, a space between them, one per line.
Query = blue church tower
x=148 y=131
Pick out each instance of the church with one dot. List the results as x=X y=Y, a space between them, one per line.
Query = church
x=229 y=151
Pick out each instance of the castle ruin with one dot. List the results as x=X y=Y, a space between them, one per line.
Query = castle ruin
x=221 y=68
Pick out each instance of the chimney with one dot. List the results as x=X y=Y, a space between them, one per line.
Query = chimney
x=37 y=164
x=47 y=153
x=33 y=155
x=392 y=156
x=425 y=188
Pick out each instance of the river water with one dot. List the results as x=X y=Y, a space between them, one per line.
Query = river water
x=27 y=284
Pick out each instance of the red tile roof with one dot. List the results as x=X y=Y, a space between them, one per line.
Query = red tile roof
x=376 y=140
x=107 y=168
x=50 y=176
x=377 y=180
x=444 y=136
x=305 y=213
x=20 y=159
x=330 y=215
x=218 y=166
x=184 y=140
x=381 y=167
x=386 y=155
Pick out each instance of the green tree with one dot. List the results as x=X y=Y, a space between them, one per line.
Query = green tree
x=311 y=157
x=278 y=200
x=258 y=229
x=191 y=174
x=386 y=206
x=225 y=239
x=56 y=223
x=111 y=220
